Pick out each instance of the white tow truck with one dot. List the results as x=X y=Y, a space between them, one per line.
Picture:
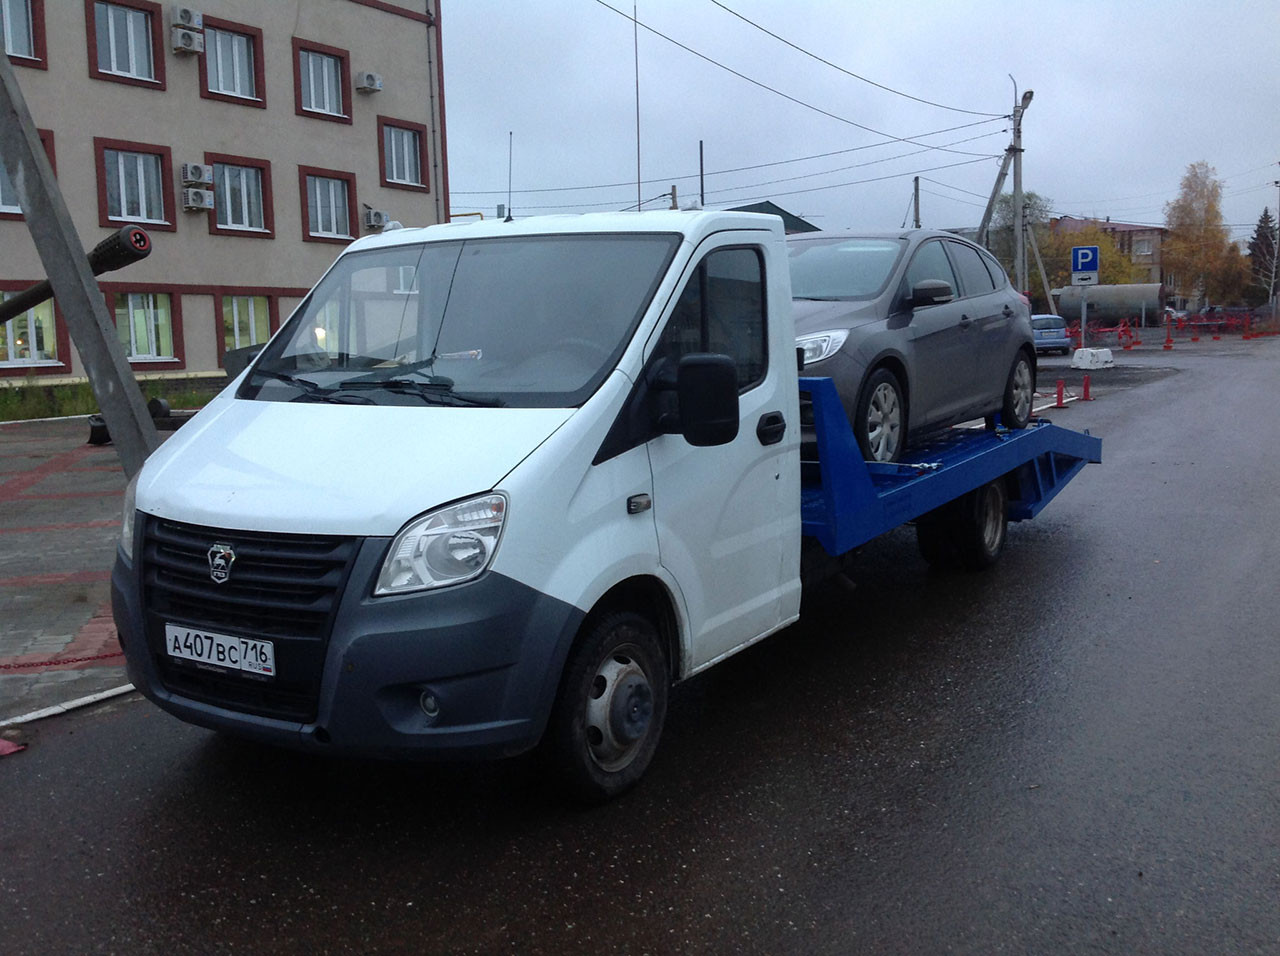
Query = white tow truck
x=499 y=485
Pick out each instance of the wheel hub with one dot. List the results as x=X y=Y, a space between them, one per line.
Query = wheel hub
x=619 y=711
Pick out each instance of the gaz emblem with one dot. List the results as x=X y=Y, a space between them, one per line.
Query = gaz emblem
x=221 y=557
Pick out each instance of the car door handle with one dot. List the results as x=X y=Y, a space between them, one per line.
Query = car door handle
x=1007 y=312
x=771 y=428
x=965 y=321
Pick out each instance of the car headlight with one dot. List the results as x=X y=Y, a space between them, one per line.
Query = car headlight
x=126 y=519
x=821 y=345
x=446 y=546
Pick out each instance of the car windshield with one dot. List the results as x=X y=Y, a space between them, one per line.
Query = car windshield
x=842 y=268
x=1048 y=322
x=534 y=321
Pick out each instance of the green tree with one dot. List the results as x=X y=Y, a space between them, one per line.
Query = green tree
x=1000 y=233
x=1262 y=261
x=1200 y=261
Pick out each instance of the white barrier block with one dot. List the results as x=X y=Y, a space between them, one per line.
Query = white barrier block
x=1092 y=358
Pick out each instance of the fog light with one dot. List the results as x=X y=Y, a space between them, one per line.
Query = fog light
x=429 y=704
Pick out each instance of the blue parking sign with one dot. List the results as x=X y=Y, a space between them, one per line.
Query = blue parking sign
x=1084 y=258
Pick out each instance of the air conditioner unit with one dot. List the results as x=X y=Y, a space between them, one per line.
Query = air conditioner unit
x=376 y=218
x=197 y=174
x=368 y=82
x=187 y=41
x=188 y=17
x=197 y=199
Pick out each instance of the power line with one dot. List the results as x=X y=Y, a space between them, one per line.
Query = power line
x=956 y=188
x=736 y=169
x=776 y=92
x=834 y=66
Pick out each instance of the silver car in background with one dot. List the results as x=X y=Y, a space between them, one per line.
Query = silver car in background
x=918 y=329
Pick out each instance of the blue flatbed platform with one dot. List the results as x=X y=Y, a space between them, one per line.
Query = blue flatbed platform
x=845 y=501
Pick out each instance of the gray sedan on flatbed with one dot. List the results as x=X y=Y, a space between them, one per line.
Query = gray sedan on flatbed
x=918 y=329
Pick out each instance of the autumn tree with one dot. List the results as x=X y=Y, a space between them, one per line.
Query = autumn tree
x=1114 y=267
x=1200 y=261
x=1262 y=261
x=1000 y=233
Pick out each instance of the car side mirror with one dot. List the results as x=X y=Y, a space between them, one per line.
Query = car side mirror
x=707 y=399
x=931 y=292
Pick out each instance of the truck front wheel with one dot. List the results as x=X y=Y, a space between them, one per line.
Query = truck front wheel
x=610 y=708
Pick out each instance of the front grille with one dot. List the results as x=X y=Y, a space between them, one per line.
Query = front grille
x=284 y=588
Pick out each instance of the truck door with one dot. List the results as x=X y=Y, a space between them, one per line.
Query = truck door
x=728 y=516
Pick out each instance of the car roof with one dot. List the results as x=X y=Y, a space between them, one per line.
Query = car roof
x=908 y=234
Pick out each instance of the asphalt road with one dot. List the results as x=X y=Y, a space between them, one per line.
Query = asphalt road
x=1073 y=752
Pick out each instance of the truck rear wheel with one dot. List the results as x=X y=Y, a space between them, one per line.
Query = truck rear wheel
x=610 y=708
x=970 y=532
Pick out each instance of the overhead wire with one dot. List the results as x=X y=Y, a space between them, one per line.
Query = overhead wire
x=856 y=76
x=776 y=92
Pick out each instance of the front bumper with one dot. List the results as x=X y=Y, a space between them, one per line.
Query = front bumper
x=489 y=652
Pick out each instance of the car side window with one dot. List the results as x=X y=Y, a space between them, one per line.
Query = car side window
x=973 y=274
x=721 y=309
x=930 y=262
x=997 y=271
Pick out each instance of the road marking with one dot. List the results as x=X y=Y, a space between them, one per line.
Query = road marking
x=68 y=706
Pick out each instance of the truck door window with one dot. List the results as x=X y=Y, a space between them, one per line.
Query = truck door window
x=721 y=309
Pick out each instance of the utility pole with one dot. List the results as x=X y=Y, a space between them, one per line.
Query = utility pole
x=1275 y=254
x=915 y=203
x=1019 y=240
x=71 y=278
x=1044 y=276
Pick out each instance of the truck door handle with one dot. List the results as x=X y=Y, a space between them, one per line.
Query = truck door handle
x=771 y=428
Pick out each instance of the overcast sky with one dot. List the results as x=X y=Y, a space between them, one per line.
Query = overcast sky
x=1127 y=95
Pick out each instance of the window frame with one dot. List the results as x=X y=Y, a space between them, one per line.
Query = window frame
x=100 y=146
x=46 y=139
x=254 y=34
x=154 y=12
x=234 y=292
x=344 y=80
x=178 y=359
x=353 y=222
x=385 y=122
x=268 y=230
x=62 y=340
x=39 y=58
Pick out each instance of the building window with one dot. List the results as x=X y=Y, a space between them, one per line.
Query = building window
x=144 y=321
x=134 y=189
x=229 y=63
x=238 y=196
x=322 y=80
x=246 y=320
x=125 y=41
x=1142 y=247
x=328 y=198
x=135 y=184
x=10 y=207
x=30 y=338
x=400 y=150
x=17 y=26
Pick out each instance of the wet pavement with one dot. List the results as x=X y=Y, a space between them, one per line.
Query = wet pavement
x=1075 y=751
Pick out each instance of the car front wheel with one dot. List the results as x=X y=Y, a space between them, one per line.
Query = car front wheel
x=880 y=420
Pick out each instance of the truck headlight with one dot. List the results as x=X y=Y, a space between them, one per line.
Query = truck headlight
x=126 y=519
x=821 y=345
x=446 y=546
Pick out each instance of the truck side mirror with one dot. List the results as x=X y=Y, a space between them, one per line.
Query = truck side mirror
x=931 y=292
x=707 y=396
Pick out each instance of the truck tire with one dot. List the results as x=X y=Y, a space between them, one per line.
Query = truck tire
x=610 y=708
x=970 y=532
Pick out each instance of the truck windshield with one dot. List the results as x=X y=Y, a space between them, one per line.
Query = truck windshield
x=841 y=268
x=533 y=321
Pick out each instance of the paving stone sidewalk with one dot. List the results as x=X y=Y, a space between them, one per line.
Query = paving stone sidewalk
x=60 y=501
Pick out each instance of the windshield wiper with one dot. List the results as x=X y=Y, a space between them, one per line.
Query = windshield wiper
x=438 y=391
x=311 y=391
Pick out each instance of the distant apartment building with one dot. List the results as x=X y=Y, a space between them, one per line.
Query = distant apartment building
x=252 y=138
x=1141 y=244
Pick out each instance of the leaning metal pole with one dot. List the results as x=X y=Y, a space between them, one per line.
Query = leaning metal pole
x=77 y=293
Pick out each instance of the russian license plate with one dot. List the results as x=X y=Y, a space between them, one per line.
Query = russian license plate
x=221 y=650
